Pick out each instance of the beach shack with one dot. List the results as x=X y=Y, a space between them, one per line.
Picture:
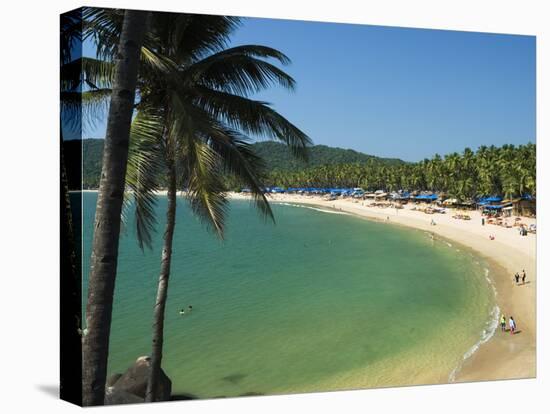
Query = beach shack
x=524 y=206
x=466 y=204
x=450 y=202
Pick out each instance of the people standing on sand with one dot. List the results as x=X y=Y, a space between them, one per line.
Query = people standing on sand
x=503 y=323
x=516 y=277
x=483 y=221
x=512 y=324
x=523 y=276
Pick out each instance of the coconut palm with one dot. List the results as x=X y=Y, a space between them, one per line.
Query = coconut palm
x=192 y=129
x=109 y=205
x=104 y=26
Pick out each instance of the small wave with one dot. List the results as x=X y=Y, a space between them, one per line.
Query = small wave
x=449 y=244
x=328 y=211
x=490 y=281
x=486 y=334
x=322 y=210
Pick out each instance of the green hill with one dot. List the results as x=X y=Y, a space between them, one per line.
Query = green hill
x=279 y=157
x=276 y=155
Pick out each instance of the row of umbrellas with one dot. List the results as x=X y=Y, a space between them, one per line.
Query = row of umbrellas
x=483 y=201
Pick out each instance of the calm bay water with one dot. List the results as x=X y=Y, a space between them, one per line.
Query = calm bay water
x=319 y=301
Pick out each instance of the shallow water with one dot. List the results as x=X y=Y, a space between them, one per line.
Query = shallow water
x=316 y=302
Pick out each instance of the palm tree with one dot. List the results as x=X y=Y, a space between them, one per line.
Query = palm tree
x=191 y=130
x=109 y=205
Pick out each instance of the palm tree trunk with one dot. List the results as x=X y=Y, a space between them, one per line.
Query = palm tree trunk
x=151 y=394
x=109 y=205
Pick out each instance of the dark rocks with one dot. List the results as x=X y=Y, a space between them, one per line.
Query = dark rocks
x=116 y=397
x=133 y=383
x=111 y=381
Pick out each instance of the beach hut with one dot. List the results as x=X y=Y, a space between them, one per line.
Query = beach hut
x=524 y=206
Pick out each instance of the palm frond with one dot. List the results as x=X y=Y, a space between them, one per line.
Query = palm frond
x=240 y=160
x=232 y=149
x=145 y=165
x=86 y=73
x=240 y=71
x=84 y=109
x=253 y=117
x=71 y=34
x=194 y=36
x=205 y=185
x=103 y=26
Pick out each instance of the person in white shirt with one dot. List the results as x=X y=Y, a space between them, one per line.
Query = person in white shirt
x=512 y=325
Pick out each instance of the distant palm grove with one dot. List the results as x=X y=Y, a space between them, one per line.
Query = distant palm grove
x=507 y=171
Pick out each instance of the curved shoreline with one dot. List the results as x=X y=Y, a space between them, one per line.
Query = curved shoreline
x=501 y=356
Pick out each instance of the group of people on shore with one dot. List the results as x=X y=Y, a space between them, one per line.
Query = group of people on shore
x=511 y=324
x=517 y=277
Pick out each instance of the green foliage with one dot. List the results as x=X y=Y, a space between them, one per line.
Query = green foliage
x=507 y=171
x=279 y=157
x=276 y=156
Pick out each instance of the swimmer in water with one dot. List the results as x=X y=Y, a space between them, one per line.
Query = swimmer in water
x=189 y=309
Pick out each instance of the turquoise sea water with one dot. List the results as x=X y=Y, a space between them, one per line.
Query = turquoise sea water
x=319 y=301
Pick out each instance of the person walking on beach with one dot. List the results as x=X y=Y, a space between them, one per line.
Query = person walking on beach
x=503 y=323
x=517 y=278
x=512 y=325
x=523 y=276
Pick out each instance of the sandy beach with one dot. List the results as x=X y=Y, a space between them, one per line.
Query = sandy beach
x=503 y=356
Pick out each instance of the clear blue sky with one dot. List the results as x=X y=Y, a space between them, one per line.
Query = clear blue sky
x=395 y=92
